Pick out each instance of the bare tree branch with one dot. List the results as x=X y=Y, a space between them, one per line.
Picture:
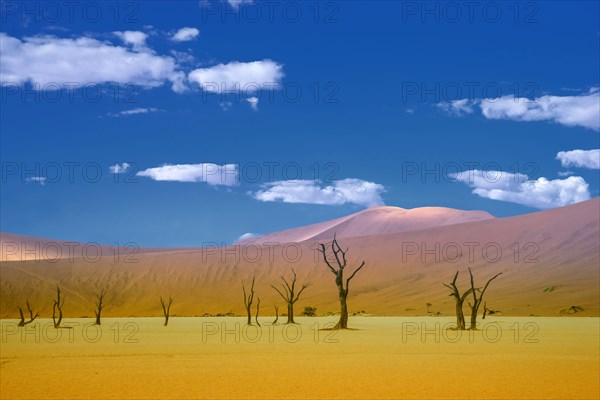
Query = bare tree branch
x=31 y=316
x=342 y=262
x=166 y=309
x=248 y=299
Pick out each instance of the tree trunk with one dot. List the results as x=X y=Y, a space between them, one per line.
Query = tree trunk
x=460 y=316
x=343 y=322
x=98 y=317
x=249 y=316
x=290 y=315
x=473 y=320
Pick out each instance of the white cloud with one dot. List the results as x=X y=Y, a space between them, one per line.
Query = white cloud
x=247 y=236
x=213 y=174
x=565 y=173
x=47 y=60
x=350 y=190
x=253 y=101
x=582 y=110
x=456 y=107
x=185 y=34
x=579 y=110
x=580 y=158
x=225 y=105
x=235 y=4
x=135 y=111
x=518 y=188
x=136 y=39
x=235 y=76
x=119 y=168
x=39 y=179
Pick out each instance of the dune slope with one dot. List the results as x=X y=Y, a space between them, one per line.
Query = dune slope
x=549 y=261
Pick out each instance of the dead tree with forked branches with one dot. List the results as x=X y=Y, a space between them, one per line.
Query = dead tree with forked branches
x=257 y=308
x=248 y=299
x=289 y=295
x=31 y=316
x=477 y=299
x=99 y=305
x=459 y=299
x=59 y=302
x=339 y=256
x=276 y=315
x=166 y=308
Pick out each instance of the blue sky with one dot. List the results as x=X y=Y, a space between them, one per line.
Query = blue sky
x=337 y=106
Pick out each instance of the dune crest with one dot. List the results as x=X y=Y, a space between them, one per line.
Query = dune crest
x=378 y=220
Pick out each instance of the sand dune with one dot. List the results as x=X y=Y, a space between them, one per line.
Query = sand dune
x=15 y=247
x=549 y=260
x=381 y=220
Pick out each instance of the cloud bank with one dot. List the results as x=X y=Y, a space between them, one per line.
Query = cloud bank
x=580 y=110
x=352 y=191
x=47 y=60
x=580 y=158
x=518 y=188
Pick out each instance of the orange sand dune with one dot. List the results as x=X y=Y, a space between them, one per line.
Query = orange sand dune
x=549 y=260
x=15 y=247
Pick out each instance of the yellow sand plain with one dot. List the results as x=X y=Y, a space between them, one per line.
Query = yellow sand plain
x=383 y=357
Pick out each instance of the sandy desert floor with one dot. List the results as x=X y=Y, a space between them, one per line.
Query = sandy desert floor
x=383 y=357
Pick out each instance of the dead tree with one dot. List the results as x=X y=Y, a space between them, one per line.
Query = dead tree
x=31 y=316
x=59 y=302
x=485 y=310
x=248 y=299
x=257 y=308
x=166 y=308
x=99 y=305
x=460 y=299
x=290 y=295
x=477 y=299
x=276 y=315
x=339 y=256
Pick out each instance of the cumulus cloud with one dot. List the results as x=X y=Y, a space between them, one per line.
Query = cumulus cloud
x=119 y=168
x=253 y=101
x=354 y=191
x=235 y=76
x=579 y=110
x=518 y=188
x=136 y=39
x=38 y=179
x=456 y=107
x=213 y=174
x=580 y=158
x=47 y=60
x=185 y=34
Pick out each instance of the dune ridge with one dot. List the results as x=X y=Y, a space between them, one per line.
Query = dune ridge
x=378 y=220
